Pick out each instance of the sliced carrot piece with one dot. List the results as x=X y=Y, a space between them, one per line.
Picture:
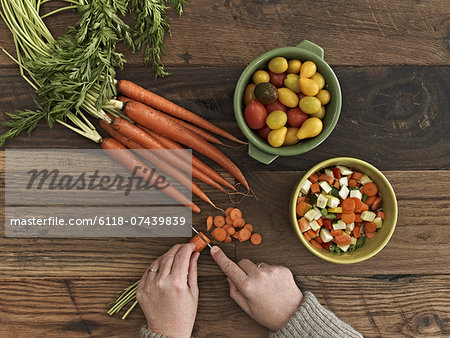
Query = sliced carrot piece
x=381 y=214
x=231 y=231
x=228 y=220
x=256 y=239
x=303 y=224
x=228 y=210
x=352 y=183
x=219 y=234
x=343 y=240
x=209 y=223
x=358 y=204
x=336 y=233
x=364 y=207
x=301 y=199
x=348 y=217
x=315 y=188
x=309 y=234
x=370 y=234
x=370 y=227
x=219 y=221
x=227 y=239
x=227 y=226
x=370 y=200
x=235 y=213
x=318 y=239
x=370 y=189
x=199 y=242
x=239 y=222
x=314 y=178
x=376 y=203
x=244 y=235
x=356 y=232
x=316 y=244
x=357 y=175
x=348 y=205
x=249 y=227
x=358 y=218
x=326 y=178
x=302 y=208
x=336 y=184
x=320 y=221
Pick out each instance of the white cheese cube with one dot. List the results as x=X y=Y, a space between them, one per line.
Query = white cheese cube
x=343 y=181
x=322 y=201
x=355 y=193
x=350 y=226
x=310 y=215
x=353 y=241
x=344 y=247
x=306 y=186
x=344 y=170
x=368 y=216
x=314 y=225
x=318 y=213
x=378 y=221
x=329 y=172
x=325 y=235
x=365 y=179
x=343 y=193
x=325 y=186
x=339 y=225
x=333 y=202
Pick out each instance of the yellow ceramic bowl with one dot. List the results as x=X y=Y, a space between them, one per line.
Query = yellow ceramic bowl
x=389 y=205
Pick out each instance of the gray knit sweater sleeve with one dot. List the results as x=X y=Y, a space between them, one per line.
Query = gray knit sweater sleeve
x=312 y=320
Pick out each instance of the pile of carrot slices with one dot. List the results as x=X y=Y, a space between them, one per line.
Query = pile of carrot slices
x=152 y=122
x=233 y=225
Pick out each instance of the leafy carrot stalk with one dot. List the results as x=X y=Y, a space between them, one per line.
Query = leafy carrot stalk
x=159 y=123
x=140 y=94
x=196 y=163
x=130 y=161
x=160 y=163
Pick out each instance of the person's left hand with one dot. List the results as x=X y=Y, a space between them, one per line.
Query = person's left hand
x=169 y=296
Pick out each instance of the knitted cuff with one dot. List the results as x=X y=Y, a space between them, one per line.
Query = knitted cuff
x=146 y=333
x=313 y=320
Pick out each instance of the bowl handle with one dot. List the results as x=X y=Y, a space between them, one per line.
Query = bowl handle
x=260 y=155
x=312 y=47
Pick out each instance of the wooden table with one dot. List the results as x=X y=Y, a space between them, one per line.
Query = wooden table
x=392 y=60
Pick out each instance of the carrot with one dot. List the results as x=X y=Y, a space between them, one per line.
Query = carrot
x=303 y=224
x=370 y=189
x=200 y=170
x=357 y=176
x=209 y=223
x=231 y=231
x=336 y=184
x=228 y=239
x=376 y=203
x=302 y=208
x=244 y=235
x=348 y=217
x=358 y=204
x=228 y=220
x=315 y=243
x=327 y=224
x=343 y=240
x=219 y=234
x=228 y=210
x=370 y=200
x=318 y=239
x=249 y=227
x=159 y=162
x=159 y=123
x=256 y=239
x=356 y=232
x=238 y=222
x=310 y=234
x=370 y=227
x=364 y=206
x=381 y=214
x=199 y=242
x=314 y=178
x=131 y=162
x=327 y=178
x=358 y=218
x=140 y=94
x=348 y=205
x=235 y=213
x=336 y=233
x=315 y=188
x=219 y=221
x=320 y=221
x=301 y=199
x=370 y=234
x=352 y=183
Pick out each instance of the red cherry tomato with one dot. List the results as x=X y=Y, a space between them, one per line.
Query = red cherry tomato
x=255 y=115
x=277 y=79
x=277 y=105
x=264 y=132
x=295 y=117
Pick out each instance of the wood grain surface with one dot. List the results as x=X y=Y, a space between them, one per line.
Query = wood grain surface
x=393 y=63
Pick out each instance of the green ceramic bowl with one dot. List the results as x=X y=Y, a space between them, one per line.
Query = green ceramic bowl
x=389 y=205
x=258 y=148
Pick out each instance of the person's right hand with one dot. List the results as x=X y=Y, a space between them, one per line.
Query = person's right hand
x=267 y=293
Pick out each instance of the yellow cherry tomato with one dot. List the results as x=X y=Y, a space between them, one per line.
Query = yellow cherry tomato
x=308 y=87
x=249 y=93
x=310 y=104
x=276 y=119
x=291 y=82
x=310 y=128
x=287 y=97
x=294 y=66
x=291 y=137
x=308 y=69
x=320 y=114
x=319 y=79
x=324 y=96
x=276 y=137
x=260 y=76
x=278 y=65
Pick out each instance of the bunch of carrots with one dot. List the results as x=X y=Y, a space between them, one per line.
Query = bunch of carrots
x=157 y=123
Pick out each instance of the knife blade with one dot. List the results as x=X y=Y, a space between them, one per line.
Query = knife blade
x=201 y=237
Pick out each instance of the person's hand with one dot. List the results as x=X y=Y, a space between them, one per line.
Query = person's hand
x=267 y=293
x=168 y=292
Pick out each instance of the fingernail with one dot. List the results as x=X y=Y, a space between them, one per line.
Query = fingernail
x=214 y=249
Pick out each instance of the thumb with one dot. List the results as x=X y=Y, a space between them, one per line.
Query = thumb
x=230 y=268
x=237 y=296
